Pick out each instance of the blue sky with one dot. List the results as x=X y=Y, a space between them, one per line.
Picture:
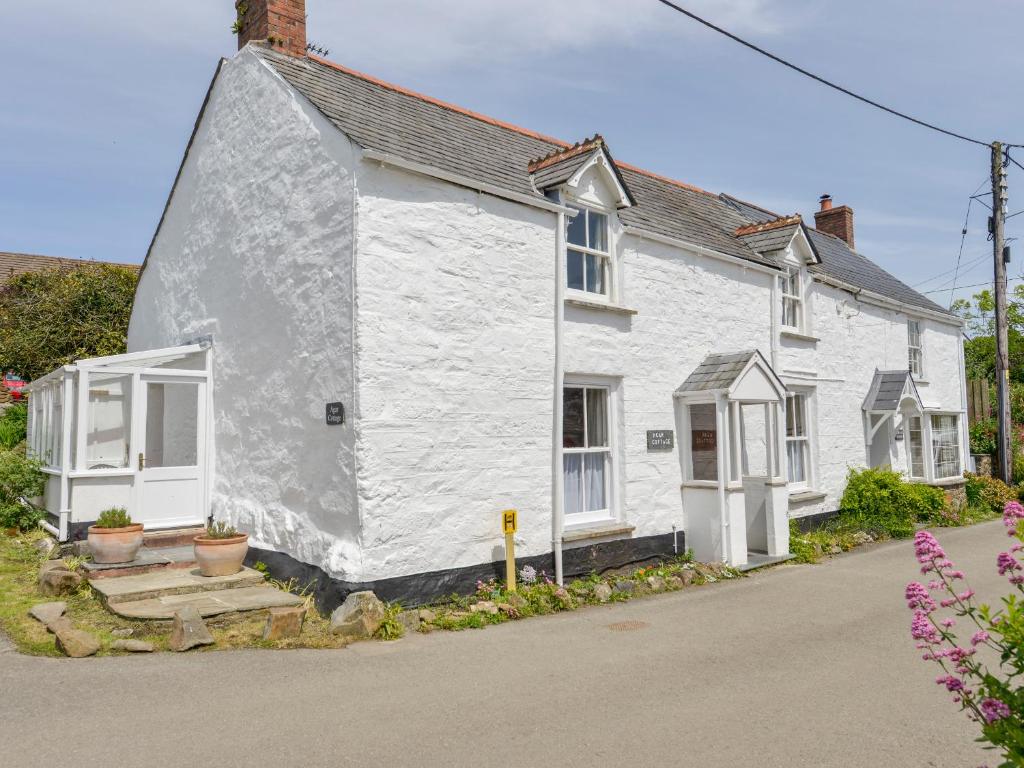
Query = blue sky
x=100 y=98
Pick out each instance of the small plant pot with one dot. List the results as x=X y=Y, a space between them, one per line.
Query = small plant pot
x=221 y=557
x=115 y=545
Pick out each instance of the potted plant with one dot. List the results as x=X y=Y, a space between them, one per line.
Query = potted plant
x=114 y=538
x=221 y=550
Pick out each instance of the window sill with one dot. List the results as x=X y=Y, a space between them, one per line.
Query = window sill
x=805 y=496
x=946 y=483
x=600 y=531
x=699 y=484
x=920 y=381
x=794 y=334
x=600 y=305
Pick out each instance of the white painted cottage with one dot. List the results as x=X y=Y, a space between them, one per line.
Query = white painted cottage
x=509 y=321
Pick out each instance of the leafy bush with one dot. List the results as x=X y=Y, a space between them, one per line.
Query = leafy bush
x=988 y=492
x=20 y=479
x=881 y=501
x=985 y=436
x=13 y=425
x=115 y=517
x=221 y=530
x=55 y=316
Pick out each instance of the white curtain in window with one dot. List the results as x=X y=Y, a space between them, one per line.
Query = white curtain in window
x=594 y=465
x=945 y=446
x=573 y=463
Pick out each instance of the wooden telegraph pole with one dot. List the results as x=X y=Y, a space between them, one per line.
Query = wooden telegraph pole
x=1000 y=256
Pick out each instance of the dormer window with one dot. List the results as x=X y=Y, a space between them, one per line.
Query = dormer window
x=587 y=253
x=792 y=297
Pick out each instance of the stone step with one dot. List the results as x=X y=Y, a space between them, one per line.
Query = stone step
x=145 y=561
x=172 y=537
x=210 y=603
x=169 y=582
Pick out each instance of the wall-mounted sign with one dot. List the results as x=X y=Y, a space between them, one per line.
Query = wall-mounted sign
x=335 y=414
x=704 y=440
x=899 y=433
x=660 y=439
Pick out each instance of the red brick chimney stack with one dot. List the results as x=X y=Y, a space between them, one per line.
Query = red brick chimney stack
x=835 y=221
x=281 y=24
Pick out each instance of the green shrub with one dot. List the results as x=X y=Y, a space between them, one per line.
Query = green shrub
x=20 y=479
x=115 y=517
x=13 y=425
x=881 y=501
x=221 y=530
x=990 y=493
x=985 y=436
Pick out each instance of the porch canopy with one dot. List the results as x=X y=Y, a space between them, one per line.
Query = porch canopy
x=124 y=431
x=732 y=457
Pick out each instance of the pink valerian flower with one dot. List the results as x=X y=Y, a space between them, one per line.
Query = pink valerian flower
x=922 y=629
x=1007 y=563
x=951 y=683
x=966 y=595
x=993 y=710
x=917 y=597
x=936 y=585
x=927 y=548
x=979 y=637
x=1012 y=513
x=947 y=623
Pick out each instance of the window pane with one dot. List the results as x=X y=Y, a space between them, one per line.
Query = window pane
x=796 y=419
x=597 y=418
x=108 y=421
x=796 y=451
x=704 y=441
x=594 y=481
x=572 y=418
x=598 y=230
x=595 y=273
x=172 y=420
x=576 y=230
x=916 y=446
x=573 y=480
x=914 y=361
x=574 y=270
x=945 y=446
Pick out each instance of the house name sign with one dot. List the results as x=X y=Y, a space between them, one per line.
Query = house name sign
x=660 y=439
x=335 y=414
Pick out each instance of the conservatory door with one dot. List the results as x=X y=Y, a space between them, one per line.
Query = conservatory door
x=171 y=419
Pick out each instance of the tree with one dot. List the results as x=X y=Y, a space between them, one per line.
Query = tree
x=55 y=316
x=980 y=346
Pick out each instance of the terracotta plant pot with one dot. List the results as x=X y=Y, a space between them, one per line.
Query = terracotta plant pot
x=221 y=557
x=115 y=545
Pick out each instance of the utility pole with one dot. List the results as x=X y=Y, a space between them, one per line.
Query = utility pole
x=1002 y=346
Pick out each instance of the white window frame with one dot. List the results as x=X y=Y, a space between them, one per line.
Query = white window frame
x=792 y=273
x=931 y=442
x=807 y=439
x=608 y=513
x=605 y=257
x=909 y=420
x=915 y=351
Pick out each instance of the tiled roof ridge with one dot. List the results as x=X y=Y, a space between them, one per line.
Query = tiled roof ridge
x=750 y=204
x=494 y=121
x=782 y=221
x=558 y=155
x=67 y=259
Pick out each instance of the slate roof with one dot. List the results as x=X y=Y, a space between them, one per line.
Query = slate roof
x=770 y=240
x=717 y=371
x=414 y=127
x=12 y=264
x=887 y=389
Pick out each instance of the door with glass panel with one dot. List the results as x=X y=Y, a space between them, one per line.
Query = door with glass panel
x=586 y=454
x=170 y=451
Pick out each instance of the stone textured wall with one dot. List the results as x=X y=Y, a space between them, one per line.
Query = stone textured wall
x=256 y=249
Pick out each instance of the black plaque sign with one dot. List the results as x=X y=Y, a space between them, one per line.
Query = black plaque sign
x=335 y=414
x=660 y=439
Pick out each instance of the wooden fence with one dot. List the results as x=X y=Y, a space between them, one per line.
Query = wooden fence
x=978 y=406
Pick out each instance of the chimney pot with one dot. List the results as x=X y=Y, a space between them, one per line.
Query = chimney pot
x=278 y=24
x=835 y=221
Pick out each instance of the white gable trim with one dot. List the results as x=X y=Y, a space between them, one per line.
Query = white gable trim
x=600 y=159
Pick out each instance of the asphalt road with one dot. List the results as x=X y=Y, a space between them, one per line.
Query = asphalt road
x=795 y=666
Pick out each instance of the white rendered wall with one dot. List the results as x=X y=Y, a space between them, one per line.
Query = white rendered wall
x=256 y=250
x=455 y=344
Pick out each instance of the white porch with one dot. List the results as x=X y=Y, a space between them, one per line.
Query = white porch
x=130 y=431
x=735 y=495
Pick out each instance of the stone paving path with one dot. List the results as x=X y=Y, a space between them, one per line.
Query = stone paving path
x=796 y=666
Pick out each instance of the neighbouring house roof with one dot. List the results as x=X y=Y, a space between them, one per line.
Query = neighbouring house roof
x=12 y=264
x=887 y=388
x=392 y=120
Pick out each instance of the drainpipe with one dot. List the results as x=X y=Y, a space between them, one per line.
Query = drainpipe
x=557 y=477
x=722 y=456
x=773 y=285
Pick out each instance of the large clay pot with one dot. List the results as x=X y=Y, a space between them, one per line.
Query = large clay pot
x=115 y=545
x=221 y=557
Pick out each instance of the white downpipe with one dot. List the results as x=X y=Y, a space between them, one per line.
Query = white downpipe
x=722 y=451
x=68 y=414
x=557 y=477
x=773 y=285
x=50 y=529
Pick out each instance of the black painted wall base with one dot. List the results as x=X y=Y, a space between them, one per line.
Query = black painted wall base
x=421 y=588
x=810 y=523
x=76 y=531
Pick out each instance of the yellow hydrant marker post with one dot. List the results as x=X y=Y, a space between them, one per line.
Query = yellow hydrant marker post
x=508 y=527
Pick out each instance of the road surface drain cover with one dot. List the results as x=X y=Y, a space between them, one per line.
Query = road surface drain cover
x=627 y=626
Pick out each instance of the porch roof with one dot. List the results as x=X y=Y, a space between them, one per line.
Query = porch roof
x=888 y=389
x=723 y=371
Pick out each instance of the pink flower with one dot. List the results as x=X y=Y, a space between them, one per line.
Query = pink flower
x=966 y=595
x=1006 y=563
x=951 y=683
x=994 y=709
x=917 y=597
x=947 y=623
x=1012 y=513
x=927 y=548
x=921 y=628
x=979 y=637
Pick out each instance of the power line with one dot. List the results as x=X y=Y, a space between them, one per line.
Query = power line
x=822 y=80
x=966 y=267
x=963 y=238
x=973 y=285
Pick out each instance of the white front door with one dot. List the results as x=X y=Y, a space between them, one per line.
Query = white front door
x=170 y=459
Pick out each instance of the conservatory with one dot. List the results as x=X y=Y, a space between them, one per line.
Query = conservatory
x=128 y=431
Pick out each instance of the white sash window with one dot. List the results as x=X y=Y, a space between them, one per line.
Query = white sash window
x=586 y=453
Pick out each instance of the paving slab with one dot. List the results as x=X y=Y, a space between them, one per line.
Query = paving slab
x=207 y=603
x=167 y=582
x=147 y=557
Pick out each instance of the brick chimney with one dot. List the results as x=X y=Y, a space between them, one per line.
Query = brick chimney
x=835 y=221
x=280 y=24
